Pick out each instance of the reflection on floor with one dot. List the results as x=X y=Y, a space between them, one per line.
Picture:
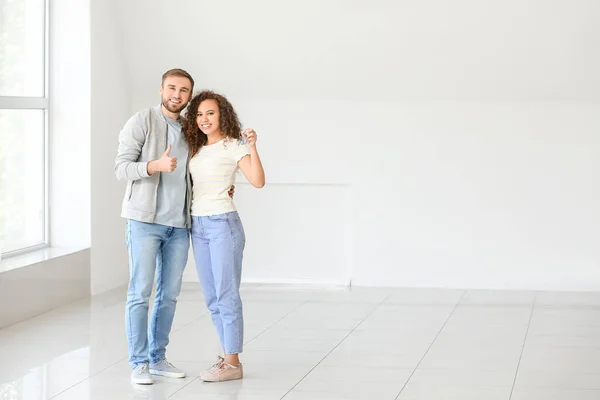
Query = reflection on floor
x=328 y=343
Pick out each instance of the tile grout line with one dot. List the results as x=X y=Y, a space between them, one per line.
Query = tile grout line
x=89 y=299
x=337 y=345
x=188 y=323
x=174 y=330
x=523 y=348
x=89 y=377
x=118 y=361
x=278 y=321
x=431 y=344
x=181 y=388
x=266 y=329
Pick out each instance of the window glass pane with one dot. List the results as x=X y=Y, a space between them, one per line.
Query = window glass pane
x=22 y=48
x=22 y=177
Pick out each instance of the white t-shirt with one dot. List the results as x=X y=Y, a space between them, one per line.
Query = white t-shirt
x=213 y=171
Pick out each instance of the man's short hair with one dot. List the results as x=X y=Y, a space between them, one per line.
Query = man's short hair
x=178 y=72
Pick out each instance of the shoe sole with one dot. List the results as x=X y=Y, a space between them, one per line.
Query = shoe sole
x=142 y=381
x=167 y=374
x=222 y=380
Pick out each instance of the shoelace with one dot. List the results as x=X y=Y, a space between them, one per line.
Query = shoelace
x=221 y=368
x=217 y=365
x=225 y=366
x=168 y=364
x=143 y=369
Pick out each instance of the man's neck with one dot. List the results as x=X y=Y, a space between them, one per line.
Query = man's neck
x=168 y=113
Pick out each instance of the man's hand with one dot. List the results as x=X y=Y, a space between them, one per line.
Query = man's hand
x=231 y=191
x=166 y=163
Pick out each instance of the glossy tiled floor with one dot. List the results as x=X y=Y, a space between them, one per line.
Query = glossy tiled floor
x=367 y=343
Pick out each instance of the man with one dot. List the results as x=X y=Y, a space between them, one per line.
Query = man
x=152 y=157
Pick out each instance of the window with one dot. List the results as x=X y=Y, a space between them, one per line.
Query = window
x=23 y=125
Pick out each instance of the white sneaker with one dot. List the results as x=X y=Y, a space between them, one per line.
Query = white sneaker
x=141 y=375
x=165 y=368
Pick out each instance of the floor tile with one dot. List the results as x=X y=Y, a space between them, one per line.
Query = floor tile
x=325 y=343
x=554 y=394
x=429 y=296
x=424 y=377
x=451 y=392
x=558 y=379
x=351 y=389
x=499 y=297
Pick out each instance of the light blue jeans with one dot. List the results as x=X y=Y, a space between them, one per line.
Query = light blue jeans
x=218 y=243
x=164 y=250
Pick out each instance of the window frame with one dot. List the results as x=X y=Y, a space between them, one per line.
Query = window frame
x=43 y=104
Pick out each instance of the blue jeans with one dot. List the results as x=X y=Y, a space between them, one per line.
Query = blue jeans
x=218 y=243
x=163 y=249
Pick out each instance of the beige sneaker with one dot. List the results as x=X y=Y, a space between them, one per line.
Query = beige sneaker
x=217 y=365
x=222 y=371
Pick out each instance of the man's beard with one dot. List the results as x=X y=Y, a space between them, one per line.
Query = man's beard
x=171 y=107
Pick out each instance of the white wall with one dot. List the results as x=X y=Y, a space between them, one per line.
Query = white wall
x=42 y=285
x=69 y=124
x=481 y=195
x=426 y=143
x=398 y=50
x=295 y=233
x=110 y=110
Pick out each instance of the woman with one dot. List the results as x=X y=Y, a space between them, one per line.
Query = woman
x=217 y=151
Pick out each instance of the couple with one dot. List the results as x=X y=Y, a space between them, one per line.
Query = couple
x=180 y=174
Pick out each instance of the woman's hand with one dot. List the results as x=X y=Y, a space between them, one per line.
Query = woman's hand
x=251 y=165
x=250 y=137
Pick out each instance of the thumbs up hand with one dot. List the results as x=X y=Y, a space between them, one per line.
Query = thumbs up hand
x=167 y=163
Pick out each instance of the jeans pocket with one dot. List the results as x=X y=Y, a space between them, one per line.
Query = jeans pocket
x=239 y=228
x=218 y=217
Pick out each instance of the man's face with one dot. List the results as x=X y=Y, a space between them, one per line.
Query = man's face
x=175 y=93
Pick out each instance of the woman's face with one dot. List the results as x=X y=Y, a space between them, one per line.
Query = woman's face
x=207 y=117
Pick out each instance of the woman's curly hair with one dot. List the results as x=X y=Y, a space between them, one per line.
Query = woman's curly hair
x=228 y=120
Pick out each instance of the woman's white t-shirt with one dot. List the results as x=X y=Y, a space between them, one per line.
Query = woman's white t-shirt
x=213 y=171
